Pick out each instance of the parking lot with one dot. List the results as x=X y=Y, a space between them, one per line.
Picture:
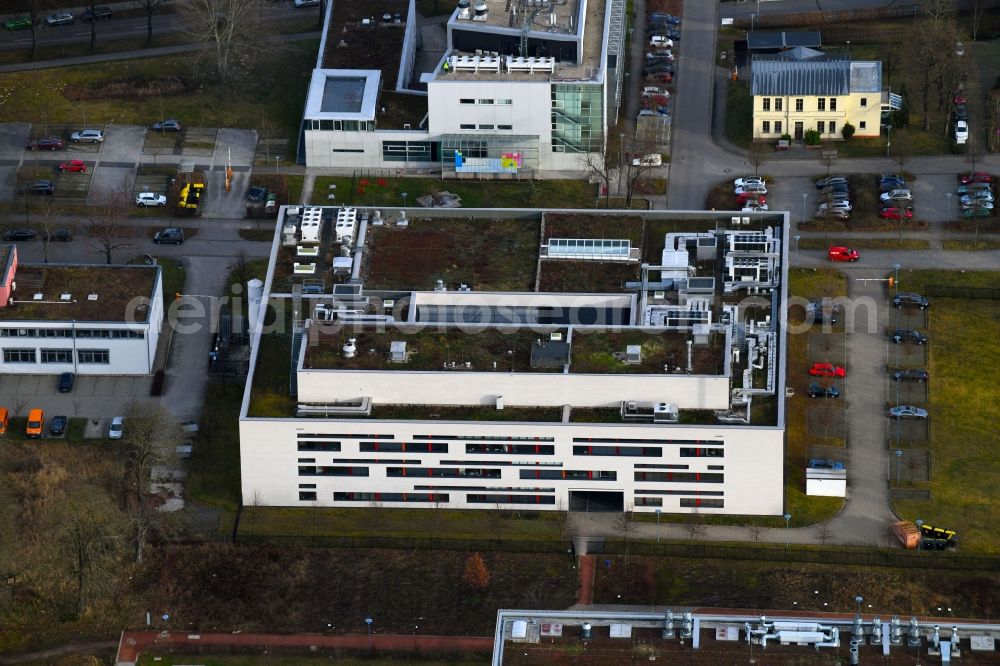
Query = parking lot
x=115 y=164
x=92 y=396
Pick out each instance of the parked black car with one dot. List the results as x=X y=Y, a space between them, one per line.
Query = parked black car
x=20 y=235
x=43 y=187
x=57 y=426
x=97 y=14
x=169 y=235
x=66 y=381
x=901 y=335
x=816 y=390
x=61 y=235
x=909 y=298
x=919 y=376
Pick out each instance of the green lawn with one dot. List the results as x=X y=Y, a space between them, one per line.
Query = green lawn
x=964 y=411
x=739 y=114
x=474 y=193
x=126 y=92
x=868 y=244
x=968 y=245
x=805 y=510
x=401 y=523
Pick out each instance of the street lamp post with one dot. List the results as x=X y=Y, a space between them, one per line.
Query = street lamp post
x=368 y=621
x=277 y=166
x=658 y=526
x=404 y=195
x=899 y=466
x=804 y=197
x=788 y=519
x=947 y=203
x=797 y=237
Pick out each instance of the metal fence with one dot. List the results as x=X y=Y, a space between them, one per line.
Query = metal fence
x=891 y=557
x=943 y=291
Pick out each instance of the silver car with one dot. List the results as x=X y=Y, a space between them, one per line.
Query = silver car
x=907 y=412
x=87 y=136
x=60 y=18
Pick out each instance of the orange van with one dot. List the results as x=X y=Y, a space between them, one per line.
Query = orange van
x=4 y=418
x=36 y=421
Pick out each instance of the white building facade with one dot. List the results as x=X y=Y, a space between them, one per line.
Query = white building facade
x=504 y=112
x=114 y=343
x=371 y=425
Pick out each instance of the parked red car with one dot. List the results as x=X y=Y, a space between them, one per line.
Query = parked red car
x=46 y=143
x=744 y=197
x=841 y=253
x=977 y=177
x=895 y=214
x=827 y=370
x=74 y=166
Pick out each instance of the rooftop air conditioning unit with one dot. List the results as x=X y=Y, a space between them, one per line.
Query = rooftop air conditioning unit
x=481 y=11
x=665 y=412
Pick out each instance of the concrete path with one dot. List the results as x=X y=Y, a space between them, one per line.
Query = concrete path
x=132 y=643
x=587 y=568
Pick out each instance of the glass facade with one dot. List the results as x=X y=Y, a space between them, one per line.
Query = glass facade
x=577 y=118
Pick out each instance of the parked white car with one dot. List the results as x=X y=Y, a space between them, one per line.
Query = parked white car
x=961 y=132
x=749 y=182
x=661 y=42
x=651 y=160
x=897 y=195
x=150 y=199
x=117 y=428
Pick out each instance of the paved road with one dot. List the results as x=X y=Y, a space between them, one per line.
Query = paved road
x=771 y=7
x=692 y=118
x=130 y=26
x=138 y=53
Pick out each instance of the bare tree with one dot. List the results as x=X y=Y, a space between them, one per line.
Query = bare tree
x=828 y=157
x=757 y=154
x=636 y=166
x=36 y=9
x=375 y=518
x=232 y=29
x=91 y=539
x=972 y=151
x=936 y=34
x=47 y=225
x=756 y=530
x=562 y=519
x=436 y=515
x=824 y=533
x=625 y=525
x=498 y=516
x=255 y=501
x=901 y=149
x=693 y=526
x=602 y=168
x=148 y=439
x=107 y=230
x=976 y=11
x=150 y=7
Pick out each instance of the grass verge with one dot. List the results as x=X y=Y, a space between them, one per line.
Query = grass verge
x=963 y=409
x=805 y=510
x=971 y=246
x=739 y=114
x=474 y=193
x=78 y=95
x=868 y=244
